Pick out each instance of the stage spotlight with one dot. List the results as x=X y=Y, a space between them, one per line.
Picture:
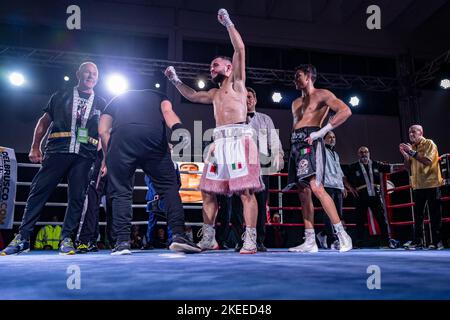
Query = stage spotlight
x=117 y=84
x=276 y=97
x=16 y=79
x=157 y=85
x=445 y=83
x=66 y=78
x=201 y=84
x=354 y=101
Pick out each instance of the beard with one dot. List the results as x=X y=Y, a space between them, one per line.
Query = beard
x=219 y=78
x=365 y=159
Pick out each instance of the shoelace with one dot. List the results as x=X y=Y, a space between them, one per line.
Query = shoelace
x=249 y=239
x=67 y=243
x=200 y=233
x=206 y=236
x=16 y=241
x=342 y=239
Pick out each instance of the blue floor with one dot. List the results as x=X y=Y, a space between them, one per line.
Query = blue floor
x=277 y=274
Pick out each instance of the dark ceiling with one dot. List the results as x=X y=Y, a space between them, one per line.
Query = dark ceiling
x=422 y=27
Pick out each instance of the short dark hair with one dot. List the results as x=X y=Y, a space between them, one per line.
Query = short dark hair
x=326 y=134
x=252 y=91
x=308 y=69
x=224 y=58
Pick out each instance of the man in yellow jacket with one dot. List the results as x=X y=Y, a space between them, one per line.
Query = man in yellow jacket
x=49 y=235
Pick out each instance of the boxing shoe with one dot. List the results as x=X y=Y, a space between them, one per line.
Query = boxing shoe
x=208 y=234
x=309 y=246
x=249 y=246
x=345 y=241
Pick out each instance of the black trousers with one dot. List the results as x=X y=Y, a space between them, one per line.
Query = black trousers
x=336 y=195
x=432 y=197
x=135 y=146
x=236 y=217
x=89 y=228
x=364 y=202
x=54 y=167
x=89 y=224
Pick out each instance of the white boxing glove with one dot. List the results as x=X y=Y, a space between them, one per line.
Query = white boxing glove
x=224 y=18
x=171 y=74
x=321 y=133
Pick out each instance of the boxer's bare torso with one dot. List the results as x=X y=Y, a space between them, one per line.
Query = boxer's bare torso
x=229 y=102
x=310 y=110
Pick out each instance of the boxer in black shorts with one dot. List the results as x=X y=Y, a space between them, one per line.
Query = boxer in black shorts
x=307 y=159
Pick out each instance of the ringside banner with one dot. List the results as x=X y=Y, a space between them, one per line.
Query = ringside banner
x=8 y=180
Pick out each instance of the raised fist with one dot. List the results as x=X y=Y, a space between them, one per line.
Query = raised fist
x=171 y=74
x=224 y=18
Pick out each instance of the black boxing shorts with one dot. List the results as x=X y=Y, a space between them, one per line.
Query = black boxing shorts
x=305 y=160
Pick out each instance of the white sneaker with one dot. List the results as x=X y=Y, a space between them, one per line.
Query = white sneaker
x=345 y=242
x=335 y=245
x=322 y=238
x=309 y=245
x=208 y=241
x=249 y=246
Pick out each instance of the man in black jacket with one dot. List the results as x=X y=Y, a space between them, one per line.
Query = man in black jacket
x=133 y=133
x=71 y=148
x=363 y=182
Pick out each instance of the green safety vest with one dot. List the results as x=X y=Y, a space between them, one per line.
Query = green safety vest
x=48 y=235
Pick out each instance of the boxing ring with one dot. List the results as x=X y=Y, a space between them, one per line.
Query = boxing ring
x=225 y=275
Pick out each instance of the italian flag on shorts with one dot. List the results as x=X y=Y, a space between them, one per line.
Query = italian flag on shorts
x=236 y=166
x=305 y=151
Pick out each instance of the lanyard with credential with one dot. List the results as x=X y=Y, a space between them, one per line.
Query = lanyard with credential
x=74 y=143
x=369 y=182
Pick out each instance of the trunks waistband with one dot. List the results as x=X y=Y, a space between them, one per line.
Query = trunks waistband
x=233 y=130
x=300 y=134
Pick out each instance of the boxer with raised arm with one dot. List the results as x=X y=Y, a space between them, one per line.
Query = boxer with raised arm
x=232 y=165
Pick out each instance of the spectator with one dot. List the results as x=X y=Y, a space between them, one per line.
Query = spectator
x=422 y=161
x=161 y=239
x=363 y=182
x=334 y=186
x=48 y=236
x=276 y=235
x=136 y=238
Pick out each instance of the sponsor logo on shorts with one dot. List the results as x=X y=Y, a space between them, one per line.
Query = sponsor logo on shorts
x=303 y=167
